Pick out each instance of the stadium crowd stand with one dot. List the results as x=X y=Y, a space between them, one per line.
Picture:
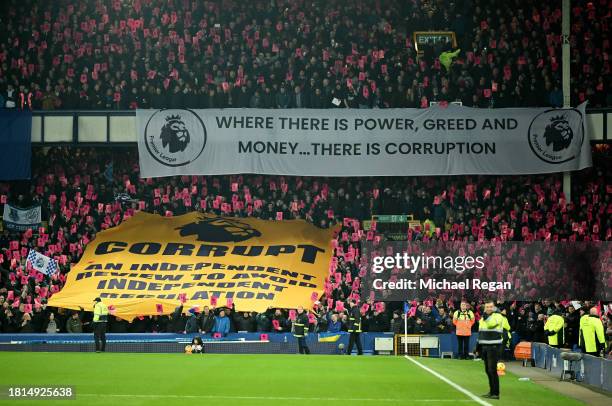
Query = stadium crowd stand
x=111 y=54
x=85 y=190
x=288 y=54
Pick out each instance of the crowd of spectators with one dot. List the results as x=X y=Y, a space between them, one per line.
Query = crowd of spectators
x=112 y=54
x=83 y=191
x=526 y=319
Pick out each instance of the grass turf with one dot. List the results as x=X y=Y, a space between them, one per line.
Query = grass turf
x=163 y=379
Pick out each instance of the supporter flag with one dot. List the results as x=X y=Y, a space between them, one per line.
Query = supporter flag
x=42 y=263
x=15 y=144
x=410 y=310
x=18 y=219
x=328 y=337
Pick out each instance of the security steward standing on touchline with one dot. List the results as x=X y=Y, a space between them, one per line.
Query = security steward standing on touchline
x=463 y=319
x=555 y=330
x=592 y=338
x=100 y=320
x=490 y=339
x=300 y=330
x=354 y=328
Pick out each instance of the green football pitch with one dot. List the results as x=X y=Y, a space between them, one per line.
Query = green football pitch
x=164 y=379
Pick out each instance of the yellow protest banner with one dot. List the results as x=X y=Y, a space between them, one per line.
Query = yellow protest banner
x=148 y=264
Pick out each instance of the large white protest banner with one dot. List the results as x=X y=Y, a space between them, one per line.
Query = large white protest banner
x=454 y=140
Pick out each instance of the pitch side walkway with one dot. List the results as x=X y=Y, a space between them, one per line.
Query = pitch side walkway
x=574 y=390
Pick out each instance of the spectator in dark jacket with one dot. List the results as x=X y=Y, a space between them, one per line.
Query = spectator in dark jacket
x=207 y=320
x=177 y=320
x=572 y=318
x=299 y=100
x=9 y=321
x=421 y=327
x=118 y=325
x=537 y=328
x=425 y=322
x=444 y=323
x=282 y=98
x=26 y=324
x=192 y=323
x=397 y=322
x=263 y=322
x=282 y=321
x=243 y=321
x=74 y=324
x=158 y=324
x=521 y=327
x=378 y=322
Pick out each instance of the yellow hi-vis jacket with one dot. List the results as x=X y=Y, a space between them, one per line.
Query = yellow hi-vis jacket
x=555 y=324
x=507 y=337
x=463 y=322
x=446 y=58
x=591 y=337
x=100 y=312
x=491 y=330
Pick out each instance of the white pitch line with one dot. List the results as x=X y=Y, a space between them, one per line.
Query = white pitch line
x=148 y=396
x=451 y=383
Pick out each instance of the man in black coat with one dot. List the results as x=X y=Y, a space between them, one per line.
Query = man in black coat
x=207 y=320
x=191 y=326
x=300 y=330
x=354 y=328
x=177 y=320
x=244 y=322
x=573 y=326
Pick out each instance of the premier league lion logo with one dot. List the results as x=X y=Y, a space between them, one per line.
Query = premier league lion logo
x=175 y=137
x=174 y=134
x=219 y=229
x=556 y=136
x=558 y=133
